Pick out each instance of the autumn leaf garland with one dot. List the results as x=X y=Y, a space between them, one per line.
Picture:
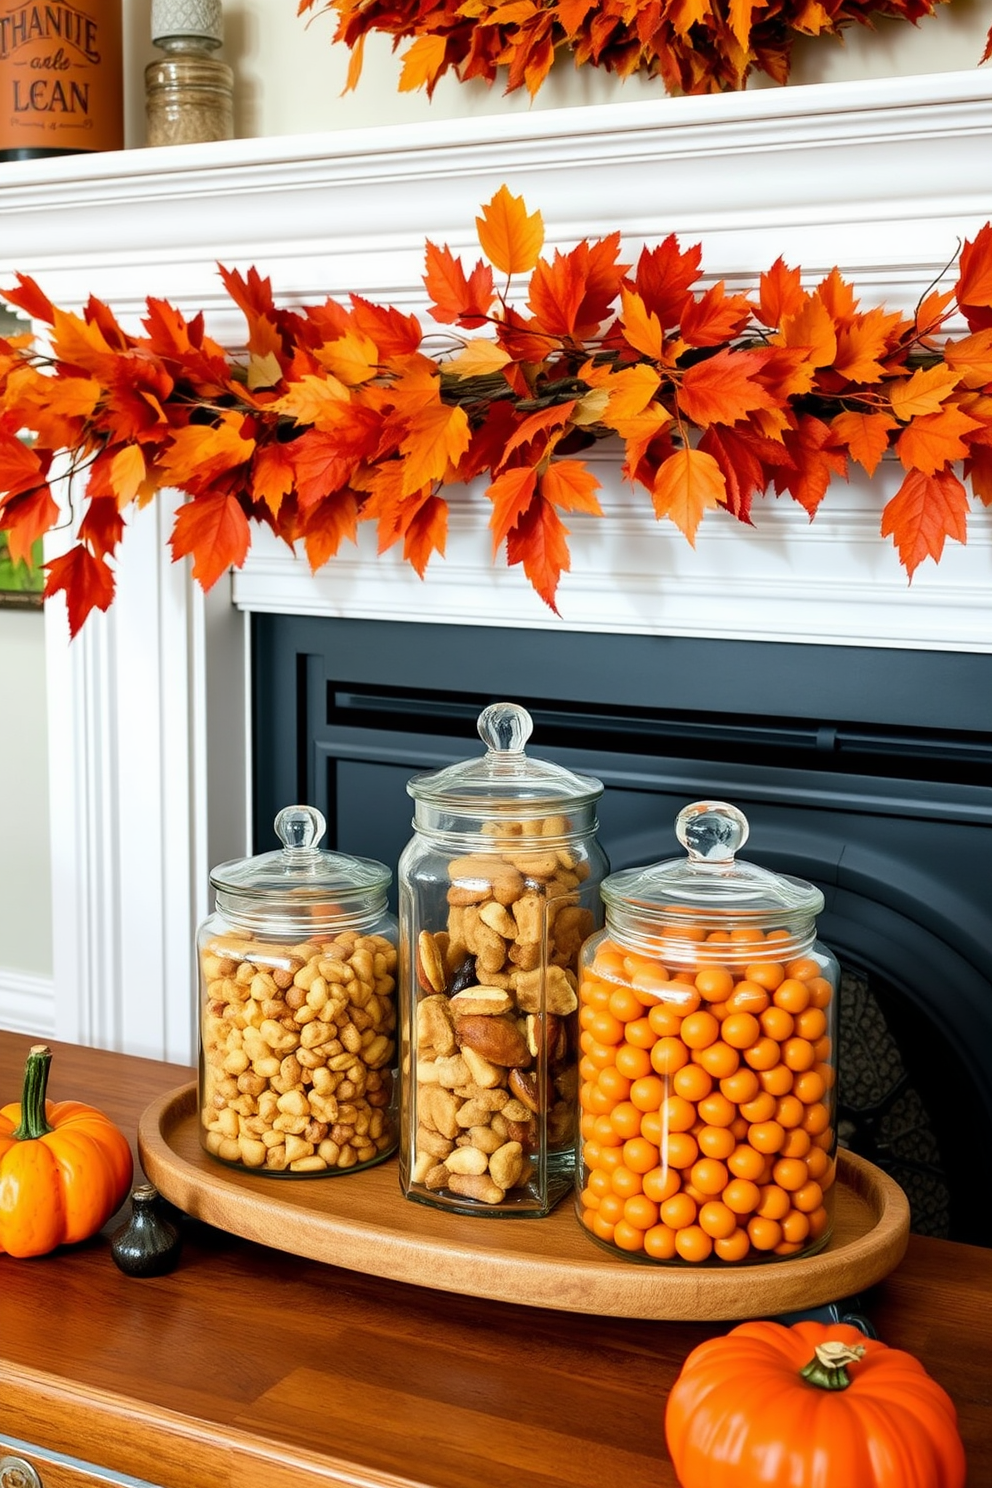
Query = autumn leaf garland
x=341 y=413
x=690 y=46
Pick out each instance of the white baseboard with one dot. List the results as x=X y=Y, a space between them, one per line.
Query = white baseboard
x=27 y=1003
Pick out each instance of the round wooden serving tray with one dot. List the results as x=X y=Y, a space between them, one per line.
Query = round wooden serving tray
x=362 y=1222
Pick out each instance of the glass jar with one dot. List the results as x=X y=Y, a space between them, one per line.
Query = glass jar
x=708 y=1076
x=189 y=92
x=297 y=965
x=498 y=889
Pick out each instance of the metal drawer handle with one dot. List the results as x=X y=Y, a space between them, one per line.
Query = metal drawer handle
x=16 y=1473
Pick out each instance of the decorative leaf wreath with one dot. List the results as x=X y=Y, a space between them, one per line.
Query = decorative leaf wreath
x=336 y=414
x=692 y=46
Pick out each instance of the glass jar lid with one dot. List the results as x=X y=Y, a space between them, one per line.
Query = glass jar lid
x=710 y=887
x=505 y=774
x=301 y=877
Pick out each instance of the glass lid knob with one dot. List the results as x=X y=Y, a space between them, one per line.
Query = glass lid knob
x=711 y=831
x=300 y=828
x=504 y=728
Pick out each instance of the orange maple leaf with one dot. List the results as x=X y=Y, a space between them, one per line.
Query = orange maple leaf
x=865 y=435
x=548 y=421
x=978 y=469
x=971 y=358
x=511 y=494
x=273 y=474
x=511 y=238
x=325 y=459
x=629 y=392
x=687 y=483
x=558 y=290
x=87 y=581
x=127 y=473
x=664 y=277
x=745 y=457
x=79 y=344
x=780 y=293
x=30 y=298
x=926 y=510
x=934 y=440
x=926 y=391
x=724 y=389
x=642 y=329
x=568 y=484
x=457 y=299
x=27 y=517
x=394 y=333
x=811 y=328
x=215 y=530
x=102 y=526
x=815 y=460
x=197 y=454
x=423 y=61
x=714 y=317
x=327 y=525
x=426 y=532
x=437 y=436
x=862 y=344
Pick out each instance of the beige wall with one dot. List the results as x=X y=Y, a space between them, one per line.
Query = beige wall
x=289 y=81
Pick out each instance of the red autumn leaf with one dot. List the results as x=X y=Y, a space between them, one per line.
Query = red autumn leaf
x=426 y=532
x=185 y=349
x=934 y=440
x=87 y=581
x=745 y=460
x=511 y=238
x=724 y=388
x=511 y=494
x=325 y=459
x=538 y=541
x=21 y=467
x=664 y=278
x=863 y=344
x=102 y=526
x=31 y=299
x=394 y=334
x=926 y=510
x=79 y=345
x=687 y=483
x=557 y=291
x=102 y=318
x=604 y=276
x=975 y=276
x=215 y=530
x=714 y=317
x=815 y=461
x=457 y=299
x=780 y=293
x=250 y=292
x=978 y=470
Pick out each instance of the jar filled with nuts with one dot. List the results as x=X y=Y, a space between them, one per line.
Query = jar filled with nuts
x=498 y=889
x=707 y=1074
x=298 y=1025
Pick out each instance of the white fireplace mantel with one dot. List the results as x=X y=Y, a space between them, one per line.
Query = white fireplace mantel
x=147 y=707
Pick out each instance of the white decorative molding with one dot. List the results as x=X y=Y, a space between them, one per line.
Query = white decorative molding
x=27 y=1003
x=147 y=708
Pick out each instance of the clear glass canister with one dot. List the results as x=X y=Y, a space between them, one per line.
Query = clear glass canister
x=498 y=888
x=298 y=1046
x=707 y=1072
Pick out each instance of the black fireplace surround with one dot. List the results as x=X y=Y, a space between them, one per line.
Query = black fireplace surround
x=867 y=771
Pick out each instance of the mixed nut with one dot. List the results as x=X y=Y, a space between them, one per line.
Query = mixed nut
x=298 y=1046
x=494 y=1047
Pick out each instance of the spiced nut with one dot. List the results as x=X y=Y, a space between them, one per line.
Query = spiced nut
x=497 y=1039
x=479 y=999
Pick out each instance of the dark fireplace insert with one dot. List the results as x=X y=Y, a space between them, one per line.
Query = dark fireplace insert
x=867 y=771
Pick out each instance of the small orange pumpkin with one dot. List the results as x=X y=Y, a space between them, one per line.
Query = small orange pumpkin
x=65 y=1168
x=817 y=1404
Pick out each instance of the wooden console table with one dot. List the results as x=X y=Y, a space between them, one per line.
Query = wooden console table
x=251 y=1368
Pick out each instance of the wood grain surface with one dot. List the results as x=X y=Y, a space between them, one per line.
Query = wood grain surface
x=361 y=1221
x=253 y=1367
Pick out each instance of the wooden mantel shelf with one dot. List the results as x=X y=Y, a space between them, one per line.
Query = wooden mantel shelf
x=252 y=1368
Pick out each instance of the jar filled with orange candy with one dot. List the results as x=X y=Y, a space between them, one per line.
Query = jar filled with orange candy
x=707 y=1013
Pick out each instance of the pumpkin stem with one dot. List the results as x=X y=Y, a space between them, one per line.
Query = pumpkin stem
x=828 y=1367
x=34 y=1123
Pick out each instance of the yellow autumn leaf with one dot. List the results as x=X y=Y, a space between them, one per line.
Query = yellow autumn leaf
x=630 y=392
x=351 y=358
x=924 y=392
x=263 y=371
x=422 y=62
x=641 y=327
x=478 y=358
x=311 y=397
x=437 y=437
x=589 y=409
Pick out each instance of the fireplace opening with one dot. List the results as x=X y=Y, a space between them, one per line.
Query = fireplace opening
x=865 y=771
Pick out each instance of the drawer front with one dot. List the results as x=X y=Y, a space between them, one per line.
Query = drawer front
x=23 y=1465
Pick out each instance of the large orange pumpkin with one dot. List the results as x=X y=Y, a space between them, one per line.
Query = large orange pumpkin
x=814 y=1404
x=65 y=1168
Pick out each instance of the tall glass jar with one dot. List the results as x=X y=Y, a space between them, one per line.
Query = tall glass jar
x=297 y=966
x=708 y=1075
x=498 y=889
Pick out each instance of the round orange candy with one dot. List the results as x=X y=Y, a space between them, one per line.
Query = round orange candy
x=809 y=1086
x=714 y=983
x=766 y=1136
x=789 y=1111
x=790 y=1173
x=632 y=1062
x=746 y=1162
x=692 y=1082
x=763 y=1054
x=777 y=1080
x=774 y=1202
x=740 y=1030
x=717 y=1059
x=625 y=1183
x=640 y=1034
x=664 y=1021
x=625 y=1119
x=717 y=1220
x=777 y=1023
x=679 y=1115
x=792 y=995
x=797 y=1143
x=668 y=1056
x=716 y=1110
x=716 y=1141
x=625 y=1005
x=699 y=1030
x=741 y=1196
x=743 y=1085
x=733 y=1248
x=641 y=1212
x=679 y=1150
x=605 y=1029
x=809 y=1197
x=811 y=1024
x=798 y=1054
x=639 y=1155
x=795 y=1226
x=600 y=1228
x=659 y=1243
x=598 y=1183
x=627 y=1236
x=710 y=1175
x=678 y=1211
x=648 y=1093
x=767 y=974
x=764 y=1234
x=611 y=1208
x=693 y=1243
x=748 y=997
x=762 y=1108
x=661 y=1183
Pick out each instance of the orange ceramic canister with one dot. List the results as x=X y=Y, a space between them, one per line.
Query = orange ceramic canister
x=61 y=78
x=707 y=1014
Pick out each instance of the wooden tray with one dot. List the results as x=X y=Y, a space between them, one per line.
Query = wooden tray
x=362 y=1222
